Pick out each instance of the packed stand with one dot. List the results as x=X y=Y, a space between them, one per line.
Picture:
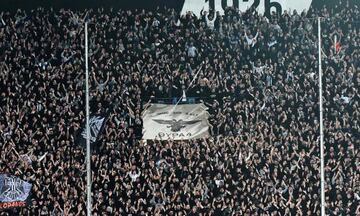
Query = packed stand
x=258 y=76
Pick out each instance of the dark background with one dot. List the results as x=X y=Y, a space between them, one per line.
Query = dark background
x=11 y=5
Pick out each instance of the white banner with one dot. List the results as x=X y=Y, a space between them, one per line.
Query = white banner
x=167 y=122
x=263 y=6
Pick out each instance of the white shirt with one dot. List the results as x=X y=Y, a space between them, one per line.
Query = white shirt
x=192 y=51
x=251 y=41
x=134 y=175
x=210 y=23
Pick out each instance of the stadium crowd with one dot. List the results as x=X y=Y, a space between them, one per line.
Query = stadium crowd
x=257 y=75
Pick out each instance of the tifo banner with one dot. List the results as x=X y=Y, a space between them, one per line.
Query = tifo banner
x=14 y=192
x=263 y=6
x=96 y=124
x=177 y=122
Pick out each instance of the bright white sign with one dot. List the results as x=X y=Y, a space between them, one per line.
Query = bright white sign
x=263 y=6
x=170 y=122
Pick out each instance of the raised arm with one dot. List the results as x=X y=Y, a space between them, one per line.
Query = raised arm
x=107 y=78
x=95 y=78
x=257 y=34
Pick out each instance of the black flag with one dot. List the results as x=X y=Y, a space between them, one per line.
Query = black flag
x=14 y=192
x=96 y=124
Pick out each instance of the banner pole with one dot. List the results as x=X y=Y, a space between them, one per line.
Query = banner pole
x=88 y=156
x=322 y=176
x=186 y=89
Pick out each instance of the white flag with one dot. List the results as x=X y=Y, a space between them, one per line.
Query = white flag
x=181 y=122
